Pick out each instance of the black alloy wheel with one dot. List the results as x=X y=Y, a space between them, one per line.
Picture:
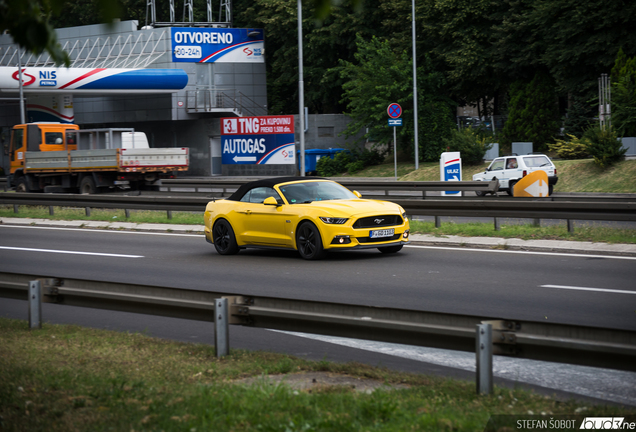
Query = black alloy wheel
x=309 y=242
x=223 y=237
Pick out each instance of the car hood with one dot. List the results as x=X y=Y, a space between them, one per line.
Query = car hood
x=356 y=207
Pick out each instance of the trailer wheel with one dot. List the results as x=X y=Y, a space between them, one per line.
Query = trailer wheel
x=87 y=186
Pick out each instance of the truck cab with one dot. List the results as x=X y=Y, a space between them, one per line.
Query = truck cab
x=36 y=137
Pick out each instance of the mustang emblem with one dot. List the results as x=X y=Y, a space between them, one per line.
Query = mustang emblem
x=378 y=221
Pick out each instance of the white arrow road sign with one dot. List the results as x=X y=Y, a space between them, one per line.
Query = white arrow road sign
x=244 y=158
x=538 y=189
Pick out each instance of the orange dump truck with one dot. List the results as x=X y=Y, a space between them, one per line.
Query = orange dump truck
x=59 y=157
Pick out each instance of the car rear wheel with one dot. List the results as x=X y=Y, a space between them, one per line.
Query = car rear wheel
x=224 y=239
x=550 y=189
x=390 y=249
x=309 y=242
x=511 y=188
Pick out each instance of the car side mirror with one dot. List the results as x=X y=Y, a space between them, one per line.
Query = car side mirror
x=358 y=194
x=271 y=201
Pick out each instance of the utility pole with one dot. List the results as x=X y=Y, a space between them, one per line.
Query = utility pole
x=417 y=157
x=301 y=90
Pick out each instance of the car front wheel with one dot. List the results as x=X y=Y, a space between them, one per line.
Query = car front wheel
x=224 y=239
x=309 y=242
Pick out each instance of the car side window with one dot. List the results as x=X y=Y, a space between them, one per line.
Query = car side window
x=537 y=161
x=258 y=195
x=512 y=163
x=497 y=165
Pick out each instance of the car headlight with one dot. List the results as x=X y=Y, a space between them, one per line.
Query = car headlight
x=404 y=216
x=333 y=220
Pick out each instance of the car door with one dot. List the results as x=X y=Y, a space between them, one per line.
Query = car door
x=263 y=224
x=496 y=170
x=512 y=170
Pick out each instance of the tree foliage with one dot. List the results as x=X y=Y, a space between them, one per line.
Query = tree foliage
x=604 y=146
x=623 y=80
x=30 y=23
x=533 y=114
x=472 y=145
x=381 y=76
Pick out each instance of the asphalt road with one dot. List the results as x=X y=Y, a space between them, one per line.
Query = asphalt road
x=504 y=285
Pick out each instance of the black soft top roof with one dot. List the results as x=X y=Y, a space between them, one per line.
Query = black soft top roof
x=267 y=182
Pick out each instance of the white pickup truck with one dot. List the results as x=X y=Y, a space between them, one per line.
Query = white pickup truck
x=510 y=169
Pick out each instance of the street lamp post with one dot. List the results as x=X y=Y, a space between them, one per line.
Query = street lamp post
x=22 y=120
x=301 y=90
x=417 y=158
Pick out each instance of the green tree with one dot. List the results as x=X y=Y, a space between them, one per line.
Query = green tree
x=325 y=43
x=533 y=114
x=578 y=117
x=604 y=146
x=472 y=145
x=623 y=80
x=382 y=76
x=461 y=45
x=29 y=23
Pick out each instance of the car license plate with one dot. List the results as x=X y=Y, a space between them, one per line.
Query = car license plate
x=381 y=233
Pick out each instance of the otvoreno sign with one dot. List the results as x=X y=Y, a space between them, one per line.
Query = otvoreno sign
x=218 y=45
x=258 y=140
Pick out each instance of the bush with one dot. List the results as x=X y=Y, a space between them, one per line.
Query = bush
x=575 y=148
x=472 y=145
x=354 y=167
x=327 y=167
x=604 y=146
x=348 y=162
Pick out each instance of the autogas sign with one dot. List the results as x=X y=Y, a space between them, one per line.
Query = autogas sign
x=262 y=140
x=218 y=45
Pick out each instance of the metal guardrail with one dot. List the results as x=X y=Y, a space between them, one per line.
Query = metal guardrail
x=563 y=343
x=226 y=187
x=538 y=208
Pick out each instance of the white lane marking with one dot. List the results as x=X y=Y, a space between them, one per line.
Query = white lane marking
x=588 y=289
x=71 y=252
x=606 y=384
x=108 y=230
x=565 y=254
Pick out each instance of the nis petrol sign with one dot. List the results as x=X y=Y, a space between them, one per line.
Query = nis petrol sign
x=258 y=140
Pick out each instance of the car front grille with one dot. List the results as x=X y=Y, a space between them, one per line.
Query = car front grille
x=378 y=221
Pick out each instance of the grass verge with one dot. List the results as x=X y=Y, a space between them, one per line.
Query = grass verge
x=574 y=175
x=69 y=378
x=591 y=233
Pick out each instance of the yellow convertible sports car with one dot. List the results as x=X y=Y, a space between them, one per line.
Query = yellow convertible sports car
x=309 y=215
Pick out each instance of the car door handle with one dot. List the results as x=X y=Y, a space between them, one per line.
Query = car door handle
x=246 y=212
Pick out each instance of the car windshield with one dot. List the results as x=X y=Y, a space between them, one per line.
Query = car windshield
x=306 y=192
